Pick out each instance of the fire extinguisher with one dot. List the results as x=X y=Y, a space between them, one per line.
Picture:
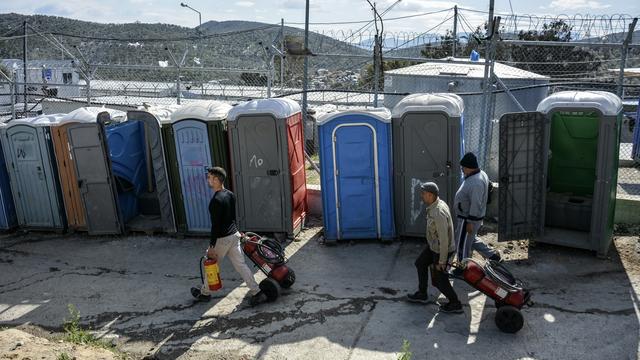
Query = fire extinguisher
x=211 y=277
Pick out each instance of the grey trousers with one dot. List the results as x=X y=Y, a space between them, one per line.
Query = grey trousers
x=466 y=242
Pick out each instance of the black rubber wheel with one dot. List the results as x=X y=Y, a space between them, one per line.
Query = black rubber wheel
x=288 y=281
x=270 y=288
x=509 y=319
x=499 y=304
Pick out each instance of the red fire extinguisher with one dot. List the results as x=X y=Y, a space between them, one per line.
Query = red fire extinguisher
x=212 y=274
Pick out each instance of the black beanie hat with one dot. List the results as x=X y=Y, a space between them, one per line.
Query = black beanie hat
x=469 y=160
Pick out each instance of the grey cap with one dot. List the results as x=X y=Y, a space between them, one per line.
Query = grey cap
x=430 y=187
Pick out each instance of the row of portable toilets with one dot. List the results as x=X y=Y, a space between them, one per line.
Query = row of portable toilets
x=105 y=171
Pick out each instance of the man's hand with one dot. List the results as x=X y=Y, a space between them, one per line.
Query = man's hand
x=469 y=228
x=211 y=253
x=441 y=267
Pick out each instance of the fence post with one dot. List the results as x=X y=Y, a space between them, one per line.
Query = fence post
x=282 y=56
x=376 y=72
x=455 y=31
x=623 y=58
x=13 y=95
x=24 y=66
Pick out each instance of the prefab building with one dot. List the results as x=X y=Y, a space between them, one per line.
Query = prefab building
x=461 y=76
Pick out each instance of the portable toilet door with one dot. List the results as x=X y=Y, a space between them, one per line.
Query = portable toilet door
x=356 y=175
x=195 y=140
x=7 y=209
x=558 y=171
x=267 y=142
x=85 y=170
x=427 y=140
x=33 y=174
x=159 y=186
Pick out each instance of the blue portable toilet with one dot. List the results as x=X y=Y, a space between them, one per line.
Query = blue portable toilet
x=357 y=175
x=8 y=218
x=127 y=150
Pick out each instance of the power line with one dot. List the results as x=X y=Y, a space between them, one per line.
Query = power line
x=368 y=21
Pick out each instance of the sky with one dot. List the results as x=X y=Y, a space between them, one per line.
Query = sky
x=271 y=11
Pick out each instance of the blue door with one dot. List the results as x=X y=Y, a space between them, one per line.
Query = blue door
x=355 y=178
x=7 y=211
x=192 y=148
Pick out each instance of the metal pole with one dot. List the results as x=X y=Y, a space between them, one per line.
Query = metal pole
x=455 y=31
x=305 y=76
x=13 y=96
x=282 y=56
x=486 y=88
x=376 y=80
x=24 y=66
x=623 y=58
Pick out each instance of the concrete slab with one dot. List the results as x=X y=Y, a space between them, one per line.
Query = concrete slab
x=348 y=301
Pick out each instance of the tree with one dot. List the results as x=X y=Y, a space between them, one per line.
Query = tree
x=369 y=72
x=443 y=47
x=554 y=61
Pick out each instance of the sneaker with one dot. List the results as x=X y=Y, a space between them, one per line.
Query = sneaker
x=496 y=257
x=197 y=293
x=451 y=307
x=418 y=297
x=258 y=298
x=457 y=273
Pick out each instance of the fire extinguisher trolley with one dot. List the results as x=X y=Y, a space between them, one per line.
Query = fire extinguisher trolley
x=268 y=255
x=495 y=281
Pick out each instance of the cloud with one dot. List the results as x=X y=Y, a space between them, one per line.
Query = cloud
x=417 y=5
x=297 y=4
x=576 y=4
x=245 y=4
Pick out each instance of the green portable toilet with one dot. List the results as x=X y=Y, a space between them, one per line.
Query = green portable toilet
x=195 y=138
x=558 y=170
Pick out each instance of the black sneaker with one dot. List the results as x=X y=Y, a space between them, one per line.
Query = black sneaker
x=496 y=257
x=197 y=293
x=257 y=299
x=418 y=297
x=451 y=307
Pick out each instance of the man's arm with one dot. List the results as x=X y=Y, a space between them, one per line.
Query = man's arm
x=442 y=226
x=478 y=204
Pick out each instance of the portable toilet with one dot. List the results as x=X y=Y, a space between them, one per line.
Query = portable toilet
x=267 y=144
x=7 y=209
x=84 y=167
x=427 y=145
x=155 y=202
x=357 y=175
x=195 y=139
x=558 y=170
x=635 y=149
x=33 y=174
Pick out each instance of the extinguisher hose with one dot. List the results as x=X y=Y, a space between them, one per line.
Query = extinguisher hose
x=200 y=265
x=500 y=274
x=271 y=251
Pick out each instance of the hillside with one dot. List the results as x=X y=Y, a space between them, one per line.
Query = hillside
x=226 y=44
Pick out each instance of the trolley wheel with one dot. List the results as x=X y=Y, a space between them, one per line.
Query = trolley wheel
x=509 y=319
x=270 y=288
x=289 y=280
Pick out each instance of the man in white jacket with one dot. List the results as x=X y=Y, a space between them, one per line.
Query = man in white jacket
x=470 y=206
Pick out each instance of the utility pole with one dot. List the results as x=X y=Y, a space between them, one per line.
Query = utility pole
x=305 y=76
x=455 y=31
x=282 y=56
x=623 y=58
x=24 y=65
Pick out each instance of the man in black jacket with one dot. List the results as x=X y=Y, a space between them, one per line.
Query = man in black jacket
x=225 y=238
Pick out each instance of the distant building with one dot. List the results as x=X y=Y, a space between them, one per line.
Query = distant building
x=57 y=78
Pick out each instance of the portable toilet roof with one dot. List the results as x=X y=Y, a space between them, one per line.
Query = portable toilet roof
x=205 y=111
x=607 y=103
x=162 y=112
x=279 y=108
x=451 y=104
x=382 y=114
x=89 y=114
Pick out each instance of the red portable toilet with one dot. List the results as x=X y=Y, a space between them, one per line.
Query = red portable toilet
x=267 y=146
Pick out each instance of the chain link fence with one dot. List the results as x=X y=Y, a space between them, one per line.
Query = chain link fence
x=525 y=59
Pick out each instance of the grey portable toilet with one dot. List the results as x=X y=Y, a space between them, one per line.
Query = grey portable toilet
x=558 y=171
x=84 y=168
x=267 y=145
x=427 y=145
x=35 y=186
